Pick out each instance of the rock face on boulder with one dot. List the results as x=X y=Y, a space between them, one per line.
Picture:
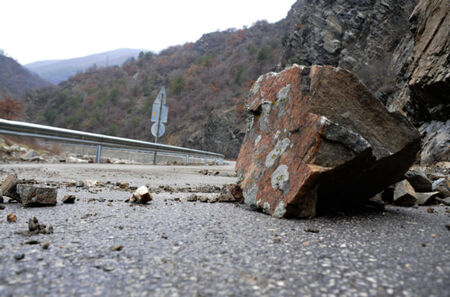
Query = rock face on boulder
x=318 y=139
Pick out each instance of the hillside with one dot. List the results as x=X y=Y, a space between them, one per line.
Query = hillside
x=15 y=79
x=206 y=80
x=57 y=71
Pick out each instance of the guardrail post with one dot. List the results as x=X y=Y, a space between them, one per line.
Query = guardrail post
x=187 y=159
x=98 y=154
x=205 y=160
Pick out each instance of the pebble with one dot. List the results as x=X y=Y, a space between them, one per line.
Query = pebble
x=19 y=257
x=11 y=218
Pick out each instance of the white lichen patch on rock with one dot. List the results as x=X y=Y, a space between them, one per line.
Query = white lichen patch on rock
x=280 y=210
x=257 y=140
x=279 y=149
x=280 y=179
x=250 y=194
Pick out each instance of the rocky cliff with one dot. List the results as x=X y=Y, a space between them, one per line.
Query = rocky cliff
x=399 y=49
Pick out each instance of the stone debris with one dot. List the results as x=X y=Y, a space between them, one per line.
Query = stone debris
x=45 y=245
x=442 y=185
x=34 y=228
x=203 y=199
x=236 y=191
x=69 y=199
x=426 y=198
x=419 y=181
x=310 y=230
x=445 y=201
x=89 y=183
x=317 y=141
x=227 y=196
x=141 y=196
x=116 y=248
x=9 y=187
x=192 y=198
x=404 y=194
x=19 y=257
x=2 y=206
x=11 y=218
x=31 y=195
x=122 y=185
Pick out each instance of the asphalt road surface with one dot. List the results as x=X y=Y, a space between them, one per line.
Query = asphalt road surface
x=102 y=246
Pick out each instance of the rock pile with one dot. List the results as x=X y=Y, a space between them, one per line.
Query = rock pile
x=318 y=139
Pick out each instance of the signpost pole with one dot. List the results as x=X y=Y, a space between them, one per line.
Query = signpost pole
x=162 y=101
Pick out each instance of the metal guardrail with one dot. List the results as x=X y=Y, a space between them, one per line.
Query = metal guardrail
x=99 y=140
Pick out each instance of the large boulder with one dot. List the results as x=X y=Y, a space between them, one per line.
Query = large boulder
x=318 y=139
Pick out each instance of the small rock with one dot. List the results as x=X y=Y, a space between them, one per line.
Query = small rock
x=442 y=186
x=34 y=227
x=45 y=245
x=213 y=199
x=69 y=199
x=445 y=201
x=236 y=191
x=177 y=199
x=418 y=180
x=192 y=198
x=2 y=207
x=431 y=210
x=426 y=198
x=276 y=240
x=11 y=218
x=203 y=199
x=33 y=224
x=19 y=257
x=448 y=226
x=31 y=195
x=32 y=242
x=9 y=187
x=123 y=185
x=79 y=184
x=312 y=230
x=89 y=183
x=141 y=195
x=117 y=248
x=404 y=194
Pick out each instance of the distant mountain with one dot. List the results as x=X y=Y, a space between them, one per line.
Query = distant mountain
x=15 y=79
x=57 y=71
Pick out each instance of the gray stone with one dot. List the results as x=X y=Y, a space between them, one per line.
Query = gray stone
x=442 y=186
x=404 y=194
x=141 y=195
x=419 y=181
x=426 y=198
x=9 y=187
x=32 y=195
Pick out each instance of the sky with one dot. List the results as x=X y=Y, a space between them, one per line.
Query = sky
x=36 y=30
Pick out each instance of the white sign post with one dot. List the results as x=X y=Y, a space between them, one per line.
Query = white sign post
x=159 y=116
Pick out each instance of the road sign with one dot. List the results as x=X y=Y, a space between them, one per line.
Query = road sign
x=162 y=129
x=155 y=113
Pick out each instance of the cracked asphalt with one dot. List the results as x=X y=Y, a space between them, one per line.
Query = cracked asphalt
x=180 y=248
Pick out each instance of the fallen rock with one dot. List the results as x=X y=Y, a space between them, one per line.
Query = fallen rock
x=442 y=186
x=116 y=248
x=419 y=181
x=404 y=194
x=226 y=195
x=9 y=187
x=426 y=198
x=69 y=199
x=19 y=257
x=203 y=199
x=89 y=183
x=11 y=218
x=32 y=195
x=445 y=201
x=317 y=139
x=123 y=185
x=141 y=196
x=34 y=228
x=236 y=191
x=192 y=198
x=2 y=207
